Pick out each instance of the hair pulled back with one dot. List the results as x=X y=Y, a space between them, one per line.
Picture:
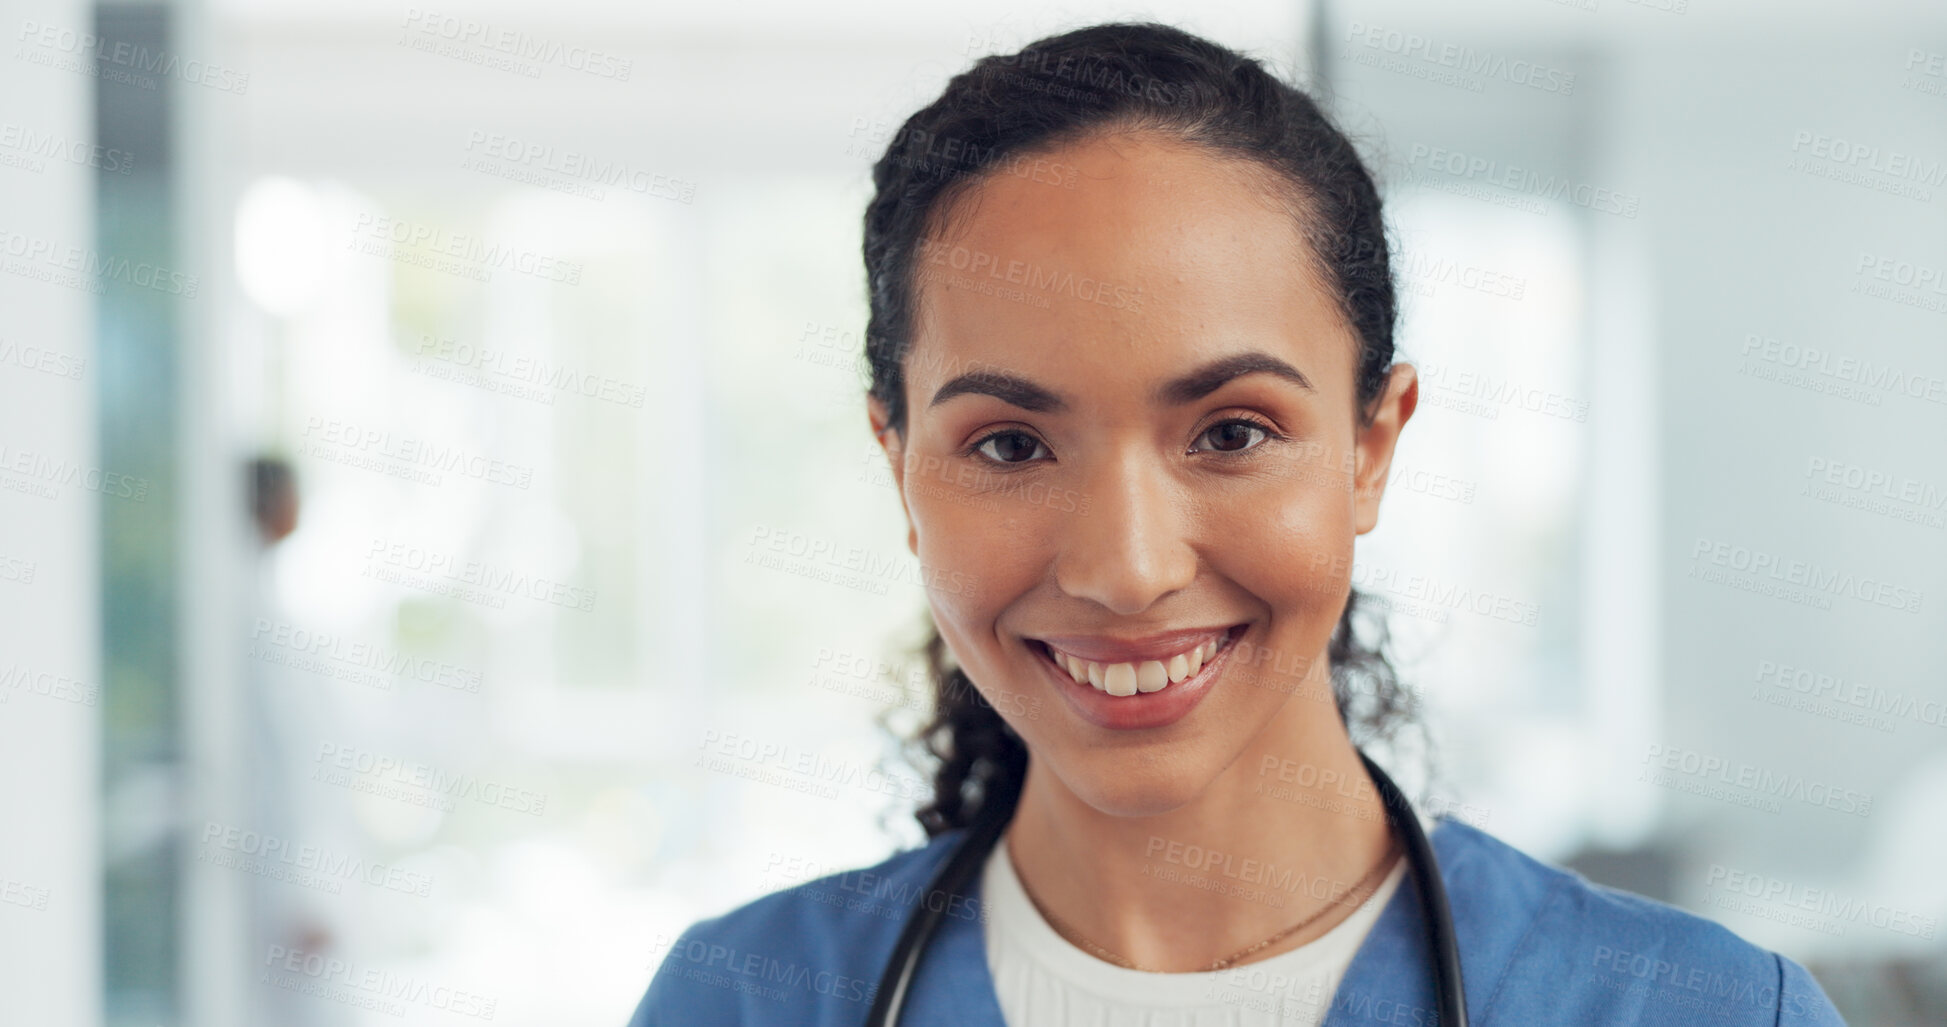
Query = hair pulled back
x=1007 y=108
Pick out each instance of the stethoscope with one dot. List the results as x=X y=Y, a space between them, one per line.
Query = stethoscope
x=952 y=877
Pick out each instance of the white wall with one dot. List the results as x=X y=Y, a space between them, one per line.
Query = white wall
x=1741 y=244
x=49 y=959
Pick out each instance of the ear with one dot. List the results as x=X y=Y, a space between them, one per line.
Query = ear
x=1376 y=441
x=894 y=447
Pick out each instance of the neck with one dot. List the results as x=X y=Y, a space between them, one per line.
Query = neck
x=1288 y=829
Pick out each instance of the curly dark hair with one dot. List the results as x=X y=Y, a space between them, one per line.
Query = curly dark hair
x=1116 y=78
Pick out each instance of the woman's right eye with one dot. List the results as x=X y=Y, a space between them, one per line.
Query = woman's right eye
x=1009 y=447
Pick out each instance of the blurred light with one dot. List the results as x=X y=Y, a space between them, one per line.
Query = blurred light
x=280 y=247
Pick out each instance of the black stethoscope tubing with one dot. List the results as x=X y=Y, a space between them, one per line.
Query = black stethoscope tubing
x=959 y=869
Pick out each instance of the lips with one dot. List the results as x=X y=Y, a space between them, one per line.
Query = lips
x=1159 y=646
x=1135 y=683
x=1126 y=668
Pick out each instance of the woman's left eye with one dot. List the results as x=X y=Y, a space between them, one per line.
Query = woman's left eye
x=1010 y=444
x=1234 y=436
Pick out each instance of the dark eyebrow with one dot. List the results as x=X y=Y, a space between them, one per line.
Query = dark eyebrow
x=1009 y=388
x=1207 y=379
x=1188 y=388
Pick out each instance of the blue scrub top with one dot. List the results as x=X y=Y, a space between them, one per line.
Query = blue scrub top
x=1538 y=945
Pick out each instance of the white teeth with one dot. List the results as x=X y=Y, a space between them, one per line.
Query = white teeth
x=1124 y=679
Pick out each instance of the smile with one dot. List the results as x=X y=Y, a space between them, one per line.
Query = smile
x=1127 y=677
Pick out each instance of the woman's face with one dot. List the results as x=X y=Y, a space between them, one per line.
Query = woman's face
x=1132 y=434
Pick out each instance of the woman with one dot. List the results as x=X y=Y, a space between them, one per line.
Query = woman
x=1131 y=343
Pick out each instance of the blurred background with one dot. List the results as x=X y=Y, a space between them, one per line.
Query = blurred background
x=442 y=553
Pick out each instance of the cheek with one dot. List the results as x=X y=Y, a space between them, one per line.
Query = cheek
x=973 y=559
x=965 y=618
x=1290 y=550
x=1288 y=543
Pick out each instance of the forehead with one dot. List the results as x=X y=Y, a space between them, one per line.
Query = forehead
x=1161 y=255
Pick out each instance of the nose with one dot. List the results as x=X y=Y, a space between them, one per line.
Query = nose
x=1132 y=544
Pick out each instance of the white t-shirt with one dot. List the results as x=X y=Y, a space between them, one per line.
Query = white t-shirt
x=1042 y=978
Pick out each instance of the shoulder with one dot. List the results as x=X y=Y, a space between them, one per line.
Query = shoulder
x=808 y=954
x=1561 y=948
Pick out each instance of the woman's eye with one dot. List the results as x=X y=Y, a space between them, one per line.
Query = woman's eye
x=1009 y=447
x=1234 y=436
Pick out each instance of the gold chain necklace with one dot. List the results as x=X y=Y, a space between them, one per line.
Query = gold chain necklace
x=1378 y=869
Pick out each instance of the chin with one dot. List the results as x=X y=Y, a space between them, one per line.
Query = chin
x=1131 y=792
